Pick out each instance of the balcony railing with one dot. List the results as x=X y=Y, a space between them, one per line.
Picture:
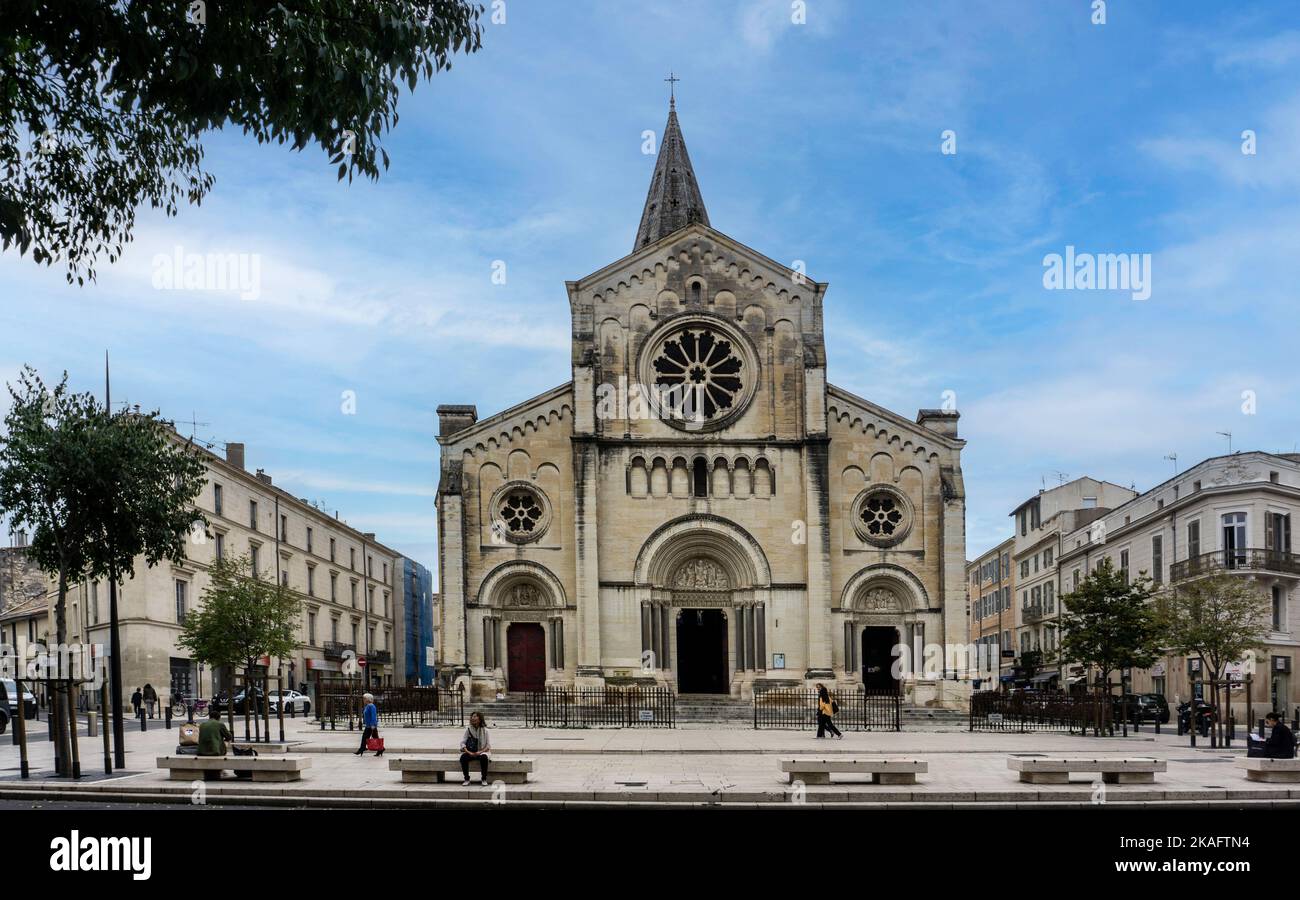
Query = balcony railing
x=1249 y=560
x=335 y=650
x=1032 y=612
x=379 y=657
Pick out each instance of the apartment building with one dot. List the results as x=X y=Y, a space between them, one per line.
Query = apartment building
x=992 y=586
x=349 y=584
x=1036 y=550
x=1230 y=514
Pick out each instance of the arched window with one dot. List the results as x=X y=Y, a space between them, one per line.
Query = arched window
x=695 y=292
x=701 y=481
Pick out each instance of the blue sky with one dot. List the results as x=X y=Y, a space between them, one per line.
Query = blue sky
x=817 y=142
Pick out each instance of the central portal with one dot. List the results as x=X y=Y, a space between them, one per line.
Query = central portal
x=878 y=655
x=702 y=652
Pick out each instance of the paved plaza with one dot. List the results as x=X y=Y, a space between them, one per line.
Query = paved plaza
x=683 y=766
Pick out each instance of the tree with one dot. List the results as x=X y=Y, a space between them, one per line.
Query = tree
x=103 y=105
x=242 y=617
x=96 y=490
x=1108 y=622
x=1030 y=662
x=1221 y=619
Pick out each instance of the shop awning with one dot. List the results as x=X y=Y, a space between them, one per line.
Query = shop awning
x=1042 y=677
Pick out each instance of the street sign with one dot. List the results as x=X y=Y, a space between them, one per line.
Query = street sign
x=647 y=715
x=361 y=662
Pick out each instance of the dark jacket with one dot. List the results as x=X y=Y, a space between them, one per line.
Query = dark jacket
x=1280 y=744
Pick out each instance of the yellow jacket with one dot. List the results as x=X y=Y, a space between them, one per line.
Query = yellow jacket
x=824 y=706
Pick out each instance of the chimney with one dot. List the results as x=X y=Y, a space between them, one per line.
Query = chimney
x=235 y=455
x=263 y=477
x=941 y=421
x=452 y=419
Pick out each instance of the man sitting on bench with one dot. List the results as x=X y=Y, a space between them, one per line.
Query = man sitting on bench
x=214 y=736
x=1281 y=741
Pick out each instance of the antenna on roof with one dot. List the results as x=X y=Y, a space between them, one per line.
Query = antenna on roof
x=1228 y=435
x=1173 y=456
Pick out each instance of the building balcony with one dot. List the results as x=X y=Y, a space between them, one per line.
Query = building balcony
x=379 y=657
x=335 y=650
x=1032 y=613
x=1245 y=560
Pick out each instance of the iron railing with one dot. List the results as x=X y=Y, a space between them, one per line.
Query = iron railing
x=611 y=707
x=398 y=705
x=861 y=710
x=1022 y=711
x=1032 y=612
x=1247 y=559
x=336 y=649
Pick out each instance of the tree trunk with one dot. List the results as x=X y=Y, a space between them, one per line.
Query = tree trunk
x=58 y=708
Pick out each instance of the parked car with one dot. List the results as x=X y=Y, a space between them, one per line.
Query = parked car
x=29 y=701
x=1143 y=708
x=222 y=700
x=294 y=702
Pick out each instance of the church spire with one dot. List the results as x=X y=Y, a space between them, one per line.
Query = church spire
x=674 y=199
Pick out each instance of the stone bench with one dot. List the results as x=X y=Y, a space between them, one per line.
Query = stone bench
x=1115 y=770
x=281 y=767
x=882 y=771
x=1264 y=769
x=433 y=769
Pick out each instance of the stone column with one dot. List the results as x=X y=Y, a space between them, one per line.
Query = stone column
x=453 y=633
x=585 y=472
x=817 y=509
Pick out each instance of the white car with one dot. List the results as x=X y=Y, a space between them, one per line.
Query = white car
x=294 y=702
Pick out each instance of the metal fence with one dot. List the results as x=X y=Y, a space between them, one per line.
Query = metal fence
x=340 y=707
x=557 y=707
x=861 y=710
x=1040 y=711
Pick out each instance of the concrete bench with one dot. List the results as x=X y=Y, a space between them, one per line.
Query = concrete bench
x=1115 y=770
x=1264 y=769
x=894 y=770
x=281 y=767
x=433 y=769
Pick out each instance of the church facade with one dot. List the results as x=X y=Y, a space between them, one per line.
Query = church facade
x=698 y=507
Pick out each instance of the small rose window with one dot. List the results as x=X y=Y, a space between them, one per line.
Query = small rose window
x=521 y=512
x=882 y=516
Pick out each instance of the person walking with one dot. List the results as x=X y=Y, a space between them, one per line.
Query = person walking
x=150 y=699
x=137 y=699
x=826 y=708
x=370 y=725
x=475 y=745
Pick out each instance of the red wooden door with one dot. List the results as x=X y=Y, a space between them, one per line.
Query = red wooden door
x=526 y=657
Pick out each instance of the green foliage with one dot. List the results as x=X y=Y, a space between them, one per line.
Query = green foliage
x=1030 y=662
x=241 y=617
x=1110 y=624
x=103 y=104
x=1222 y=619
x=96 y=490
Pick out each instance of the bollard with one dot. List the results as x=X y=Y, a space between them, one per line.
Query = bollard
x=143 y=721
x=167 y=716
x=92 y=724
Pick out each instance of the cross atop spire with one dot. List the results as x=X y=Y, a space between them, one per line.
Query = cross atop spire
x=672 y=92
x=674 y=199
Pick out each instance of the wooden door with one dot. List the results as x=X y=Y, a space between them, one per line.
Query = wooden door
x=525 y=656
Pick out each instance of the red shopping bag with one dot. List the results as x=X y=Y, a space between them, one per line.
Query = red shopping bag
x=375 y=743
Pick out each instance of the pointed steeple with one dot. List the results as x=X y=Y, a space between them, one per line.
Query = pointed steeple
x=674 y=199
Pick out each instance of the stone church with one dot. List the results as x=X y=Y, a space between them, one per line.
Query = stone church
x=698 y=507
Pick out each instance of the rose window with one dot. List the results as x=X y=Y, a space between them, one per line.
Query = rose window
x=521 y=512
x=881 y=515
x=698 y=373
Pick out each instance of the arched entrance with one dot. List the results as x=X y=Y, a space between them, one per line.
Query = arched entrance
x=704 y=588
